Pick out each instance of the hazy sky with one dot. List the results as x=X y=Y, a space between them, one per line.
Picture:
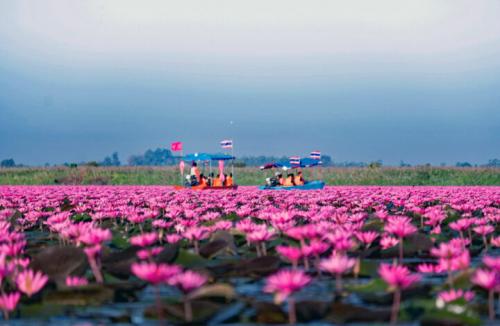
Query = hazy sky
x=417 y=81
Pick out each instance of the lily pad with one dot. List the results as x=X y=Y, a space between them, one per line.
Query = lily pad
x=59 y=262
x=93 y=294
x=214 y=290
x=345 y=313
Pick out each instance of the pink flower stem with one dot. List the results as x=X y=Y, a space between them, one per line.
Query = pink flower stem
x=257 y=248
x=292 y=315
x=338 y=283
x=400 y=249
x=264 y=249
x=95 y=270
x=395 y=306
x=317 y=262
x=188 y=310
x=485 y=244
x=491 y=304
x=158 y=304
x=306 y=261
x=196 y=247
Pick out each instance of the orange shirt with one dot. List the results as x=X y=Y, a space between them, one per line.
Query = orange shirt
x=298 y=180
x=229 y=181
x=217 y=182
x=288 y=182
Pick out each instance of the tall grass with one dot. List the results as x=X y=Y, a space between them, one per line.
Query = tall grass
x=438 y=176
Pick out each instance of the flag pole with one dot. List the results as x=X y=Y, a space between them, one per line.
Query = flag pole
x=232 y=161
x=182 y=172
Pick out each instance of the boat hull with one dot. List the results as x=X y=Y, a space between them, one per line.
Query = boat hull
x=235 y=187
x=311 y=185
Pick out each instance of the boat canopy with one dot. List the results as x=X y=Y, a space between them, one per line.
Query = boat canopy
x=207 y=157
x=285 y=165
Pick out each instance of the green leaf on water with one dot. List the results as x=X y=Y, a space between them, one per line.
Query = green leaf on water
x=189 y=259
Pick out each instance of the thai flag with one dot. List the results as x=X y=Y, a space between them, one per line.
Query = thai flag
x=226 y=143
x=315 y=155
x=295 y=161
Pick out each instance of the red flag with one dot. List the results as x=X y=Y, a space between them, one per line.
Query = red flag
x=176 y=146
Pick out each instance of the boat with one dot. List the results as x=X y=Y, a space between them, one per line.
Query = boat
x=294 y=164
x=206 y=157
x=310 y=185
x=234 y=187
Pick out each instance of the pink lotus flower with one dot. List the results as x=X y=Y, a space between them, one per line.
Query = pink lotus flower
x=399 y=278
x=495 y=241
x=155 y=273
x=173 y=238
x=95 y=236
x=367 y=237
x=292 y=254
x=425 y=268
x=484 y=229
x=401 y=227
x=454 y=294
x=286 y=282
x=8 y=302
x=388 y=242
x=492 y=263
x=283 y=284
x=5 y=267
x=144 y=240
x=30 y=282
x=487 y=280
x=337 y=264
x=149 y=252
x=188 y=281
x=75 y=281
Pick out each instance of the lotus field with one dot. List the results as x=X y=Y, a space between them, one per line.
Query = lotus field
x=139 y=254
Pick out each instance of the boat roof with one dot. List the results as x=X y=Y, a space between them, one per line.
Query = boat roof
x=285 y=165
x=207 y=157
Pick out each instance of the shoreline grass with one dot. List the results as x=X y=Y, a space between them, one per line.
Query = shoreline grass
x=153 y=175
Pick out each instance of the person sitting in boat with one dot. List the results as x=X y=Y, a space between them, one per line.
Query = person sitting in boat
x=203 y=181
x=281 y=180
x=228 y=182
x=289 y=181
x=299 y=180
x=195 y=171
x=217 y=182
x=273 y=181
x=210 y=180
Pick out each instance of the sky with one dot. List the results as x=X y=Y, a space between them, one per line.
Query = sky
x=415 y=80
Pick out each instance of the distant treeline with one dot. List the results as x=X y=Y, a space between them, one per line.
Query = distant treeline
x=164 y=157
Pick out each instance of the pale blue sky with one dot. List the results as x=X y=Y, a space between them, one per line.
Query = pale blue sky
x=415 y=80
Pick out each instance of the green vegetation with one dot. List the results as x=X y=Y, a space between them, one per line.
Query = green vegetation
x=424 y=175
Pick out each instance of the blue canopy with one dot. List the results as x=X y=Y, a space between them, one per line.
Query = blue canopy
x=207 y=157
x=285 y=165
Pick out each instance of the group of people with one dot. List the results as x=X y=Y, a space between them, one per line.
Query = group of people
x=199 y=180
x=289 y=181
